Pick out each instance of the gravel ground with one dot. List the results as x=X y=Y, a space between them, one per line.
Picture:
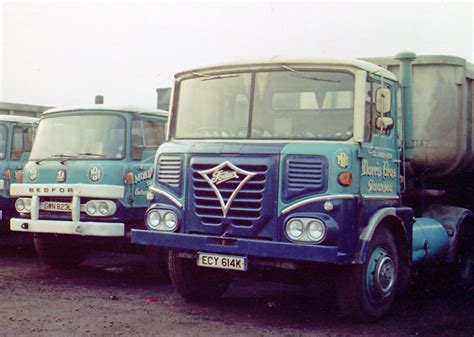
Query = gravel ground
x=110 y=294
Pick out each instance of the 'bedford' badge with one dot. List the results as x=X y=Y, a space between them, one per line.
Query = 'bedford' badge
x=60 y=176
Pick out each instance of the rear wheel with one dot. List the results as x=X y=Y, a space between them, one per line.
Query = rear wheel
x=197 y=283
x=60 y=251
x=366 y=292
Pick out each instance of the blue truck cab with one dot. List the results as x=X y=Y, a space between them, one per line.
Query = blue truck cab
x=16 y=139
x=86 y=179
x=290 y=164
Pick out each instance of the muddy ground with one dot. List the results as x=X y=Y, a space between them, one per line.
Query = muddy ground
x=110 y=294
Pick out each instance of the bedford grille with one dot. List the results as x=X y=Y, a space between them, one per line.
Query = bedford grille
x=244 y=209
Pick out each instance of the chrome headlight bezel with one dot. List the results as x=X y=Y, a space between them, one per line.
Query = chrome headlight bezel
x=99 y=208
x=23 y=205
x=305 y=235
x=159 y=219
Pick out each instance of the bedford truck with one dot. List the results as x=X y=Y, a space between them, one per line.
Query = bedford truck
x=364 y=167
x=85 y=182
x=16 y=139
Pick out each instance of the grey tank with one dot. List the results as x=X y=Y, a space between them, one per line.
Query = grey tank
x=442 y=113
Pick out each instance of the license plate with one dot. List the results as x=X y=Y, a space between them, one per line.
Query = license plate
x=55 y=206
x=222 y=261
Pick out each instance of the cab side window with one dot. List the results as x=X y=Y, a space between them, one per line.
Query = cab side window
x=22 y=142
x=371 y=113
x=146 y=134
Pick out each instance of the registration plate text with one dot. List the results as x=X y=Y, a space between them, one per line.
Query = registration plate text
x=55 y=206
x=222 y=261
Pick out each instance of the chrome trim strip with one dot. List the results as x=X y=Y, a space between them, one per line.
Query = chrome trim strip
x=167 y=195
x=380 y=197
x=316 y=199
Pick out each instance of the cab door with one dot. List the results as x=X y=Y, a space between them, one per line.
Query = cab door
x=21 y=142
x=379 y=155
x=145 y=137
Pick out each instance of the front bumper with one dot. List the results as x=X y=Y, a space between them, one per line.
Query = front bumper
x=101 y=229
x=239 y=246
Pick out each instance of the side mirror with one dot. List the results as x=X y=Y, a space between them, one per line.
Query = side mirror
x=382 y=100
x=384 y=123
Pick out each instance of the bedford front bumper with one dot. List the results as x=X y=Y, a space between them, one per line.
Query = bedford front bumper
x=68 y=227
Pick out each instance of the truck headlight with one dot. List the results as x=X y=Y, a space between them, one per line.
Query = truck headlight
x=295 y=229
x=99 y=208
x=23 y=205
x=153 y=219
x=91 y=208
x=103 y=208
x=162 y=220
x=305 y=230
x=316 y=230
x=170 y=220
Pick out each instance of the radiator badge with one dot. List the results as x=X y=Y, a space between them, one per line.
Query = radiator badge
x=60 y=176
x=221 y=173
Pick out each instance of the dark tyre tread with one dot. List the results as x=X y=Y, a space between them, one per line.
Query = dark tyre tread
x=60 y=251
x=195 y=283
x=352 y=295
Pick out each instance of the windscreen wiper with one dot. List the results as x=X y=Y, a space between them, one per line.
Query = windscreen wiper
x=214 y=77
x=68 y=156
x=91 y=154
x=83 y=154
x=299 y=74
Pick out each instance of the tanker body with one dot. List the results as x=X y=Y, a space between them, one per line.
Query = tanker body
x=360 y=167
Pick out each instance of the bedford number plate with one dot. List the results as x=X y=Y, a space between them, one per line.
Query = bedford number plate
x=55 y=206
x=222 y=261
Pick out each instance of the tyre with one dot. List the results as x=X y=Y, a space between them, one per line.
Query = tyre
x=366 y=292
x=156 y=263
x=464 y=268
x=60 y=251
x=195 y=283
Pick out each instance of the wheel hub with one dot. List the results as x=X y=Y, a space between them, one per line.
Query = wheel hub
x=381 y=274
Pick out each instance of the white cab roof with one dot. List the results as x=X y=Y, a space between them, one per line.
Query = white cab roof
x=105 y=108
x=17 y=119
x=275 y=63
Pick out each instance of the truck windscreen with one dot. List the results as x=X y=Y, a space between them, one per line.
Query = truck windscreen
x=101 y=136
x=266 y=105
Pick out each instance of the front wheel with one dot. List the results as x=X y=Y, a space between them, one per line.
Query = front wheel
x=366 y=292
x=60 y=251
x=195 y=283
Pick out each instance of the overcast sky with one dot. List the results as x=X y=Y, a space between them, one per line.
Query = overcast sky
x=64 y=54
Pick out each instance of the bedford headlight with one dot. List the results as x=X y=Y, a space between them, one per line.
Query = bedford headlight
x=27 y=205
x=20 y=205
x=294 y=229
x=170 y=220
x=91 y=208
x=153 y=219
x=103 y=208
x=316 y=230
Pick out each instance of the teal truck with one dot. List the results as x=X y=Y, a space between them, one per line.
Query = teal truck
x=86 y=180
x=360 y=168
x=16 y=139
